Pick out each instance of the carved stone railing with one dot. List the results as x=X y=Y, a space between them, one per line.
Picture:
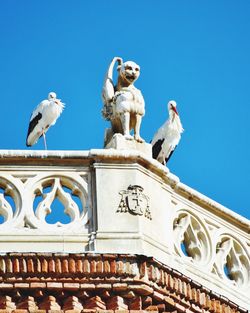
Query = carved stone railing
x=109 y=201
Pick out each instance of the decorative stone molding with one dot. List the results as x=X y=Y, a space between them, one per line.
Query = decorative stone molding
x=100 y=282
x=189 y=232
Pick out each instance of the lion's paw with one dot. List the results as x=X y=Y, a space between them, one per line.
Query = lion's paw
x=138 y=138
x=128 y=137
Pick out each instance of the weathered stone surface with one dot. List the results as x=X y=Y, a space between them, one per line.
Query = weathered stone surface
x=118 y=142
x=130 y=205
x=123 y=102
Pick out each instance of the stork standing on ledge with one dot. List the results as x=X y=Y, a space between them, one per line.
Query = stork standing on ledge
x=168 y=136
x=44 y=116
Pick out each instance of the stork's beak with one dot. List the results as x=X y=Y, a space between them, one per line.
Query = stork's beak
x=58 y=101
x=174 y=109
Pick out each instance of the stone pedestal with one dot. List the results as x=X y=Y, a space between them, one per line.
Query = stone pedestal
x=119 y=142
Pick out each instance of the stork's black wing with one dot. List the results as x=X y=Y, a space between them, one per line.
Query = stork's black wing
x=156 y=148
x=33 y=124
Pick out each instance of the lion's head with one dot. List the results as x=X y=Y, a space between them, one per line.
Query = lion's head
x=129 y=71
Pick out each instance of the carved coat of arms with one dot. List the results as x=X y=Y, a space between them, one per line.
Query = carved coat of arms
x=134 y=201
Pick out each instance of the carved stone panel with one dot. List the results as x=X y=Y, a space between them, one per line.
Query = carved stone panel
x=232 y=262
x=191 y=238
x=10 y=202
x=70 y=192
x=26 y=202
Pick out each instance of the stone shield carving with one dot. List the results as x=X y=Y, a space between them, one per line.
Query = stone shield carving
x=134 y=201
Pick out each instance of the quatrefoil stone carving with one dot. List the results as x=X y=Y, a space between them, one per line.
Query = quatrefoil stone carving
x=191 y=238
x=10 y=203
x=232 y=262
x=44 y=207
x=66 y=190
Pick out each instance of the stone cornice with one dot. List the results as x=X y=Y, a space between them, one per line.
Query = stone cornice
x=96 y=282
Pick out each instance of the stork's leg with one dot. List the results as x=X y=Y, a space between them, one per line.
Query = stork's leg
x=44 y=139
x=167 y=159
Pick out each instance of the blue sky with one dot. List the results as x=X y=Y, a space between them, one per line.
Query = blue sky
x=195 y=52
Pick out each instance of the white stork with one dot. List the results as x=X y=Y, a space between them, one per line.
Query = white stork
x=44 y=116
x=168 y=136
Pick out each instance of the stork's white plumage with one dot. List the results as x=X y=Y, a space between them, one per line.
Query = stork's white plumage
x=44 y=116
x=168 y=136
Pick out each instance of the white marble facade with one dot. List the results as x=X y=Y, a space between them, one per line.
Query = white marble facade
x=122 y=201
